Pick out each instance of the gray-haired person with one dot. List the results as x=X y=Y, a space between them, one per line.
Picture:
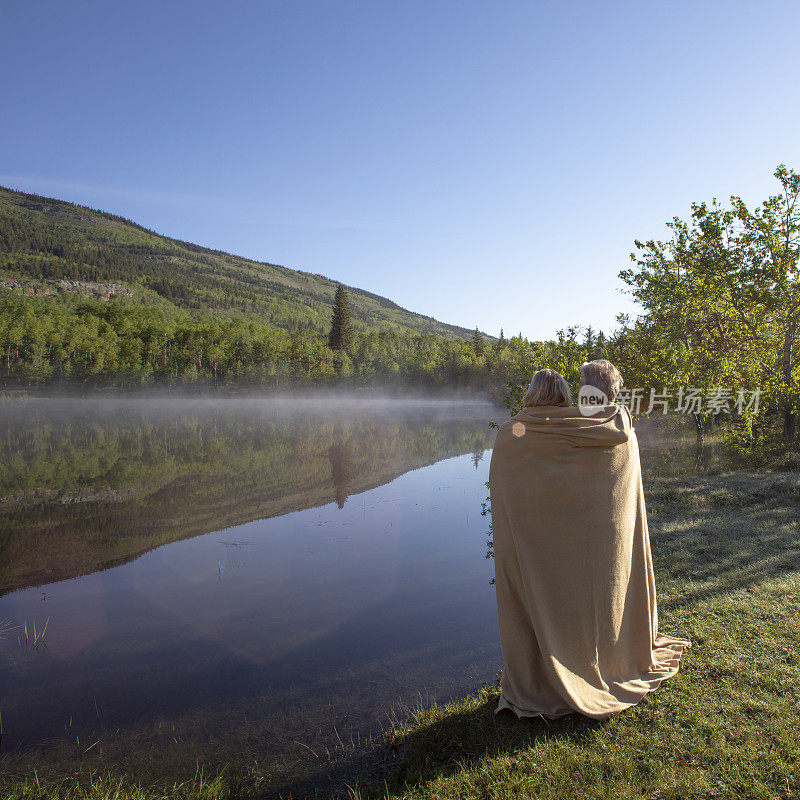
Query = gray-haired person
x=602 y=375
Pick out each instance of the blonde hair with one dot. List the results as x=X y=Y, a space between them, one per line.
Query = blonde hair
x=603 y=375
x=547 y=388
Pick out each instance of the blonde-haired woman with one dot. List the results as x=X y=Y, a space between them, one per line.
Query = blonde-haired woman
x=547 y=388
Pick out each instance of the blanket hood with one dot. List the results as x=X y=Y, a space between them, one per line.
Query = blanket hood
x=611 y=426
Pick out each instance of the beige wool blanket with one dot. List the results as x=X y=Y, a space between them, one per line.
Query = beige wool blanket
x=576 y=593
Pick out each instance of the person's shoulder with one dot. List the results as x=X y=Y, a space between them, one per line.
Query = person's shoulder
x=503 y=430
x=630 y=416
x=631 y=428
x=626 y=412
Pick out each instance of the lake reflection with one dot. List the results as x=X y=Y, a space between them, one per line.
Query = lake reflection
x=226 y=578
x=245 y=581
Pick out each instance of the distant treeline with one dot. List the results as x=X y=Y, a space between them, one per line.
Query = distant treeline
x=48 y=340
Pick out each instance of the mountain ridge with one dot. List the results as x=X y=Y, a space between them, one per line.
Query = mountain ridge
x=47 y=243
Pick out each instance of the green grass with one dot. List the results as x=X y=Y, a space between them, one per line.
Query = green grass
x=220 y=787
x=727 y=558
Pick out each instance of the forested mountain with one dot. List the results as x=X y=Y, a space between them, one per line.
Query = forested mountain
x=52 y=247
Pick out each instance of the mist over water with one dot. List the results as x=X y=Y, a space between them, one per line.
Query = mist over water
x=273 y=404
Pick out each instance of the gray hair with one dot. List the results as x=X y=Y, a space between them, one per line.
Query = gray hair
x=603 y=375
x=547 y=388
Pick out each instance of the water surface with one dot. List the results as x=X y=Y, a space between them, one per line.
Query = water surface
x=257 y=578
x=248 y=581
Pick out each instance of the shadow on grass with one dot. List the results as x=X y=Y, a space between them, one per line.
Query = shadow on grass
x=441 y=744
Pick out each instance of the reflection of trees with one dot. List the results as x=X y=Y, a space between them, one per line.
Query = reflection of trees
x=477 y=457
x=341 y=457
x=82 y=493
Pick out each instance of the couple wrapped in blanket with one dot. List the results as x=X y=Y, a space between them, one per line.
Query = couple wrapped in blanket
x=576 y=593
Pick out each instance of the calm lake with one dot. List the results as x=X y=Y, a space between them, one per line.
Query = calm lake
x=242 y=580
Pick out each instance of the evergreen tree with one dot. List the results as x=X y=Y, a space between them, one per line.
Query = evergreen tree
x=341 y=335
x=477 y=341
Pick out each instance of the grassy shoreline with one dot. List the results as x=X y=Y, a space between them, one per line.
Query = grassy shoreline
x=727 y=559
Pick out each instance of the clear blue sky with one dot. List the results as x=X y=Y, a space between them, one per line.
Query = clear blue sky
x=483 y=163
